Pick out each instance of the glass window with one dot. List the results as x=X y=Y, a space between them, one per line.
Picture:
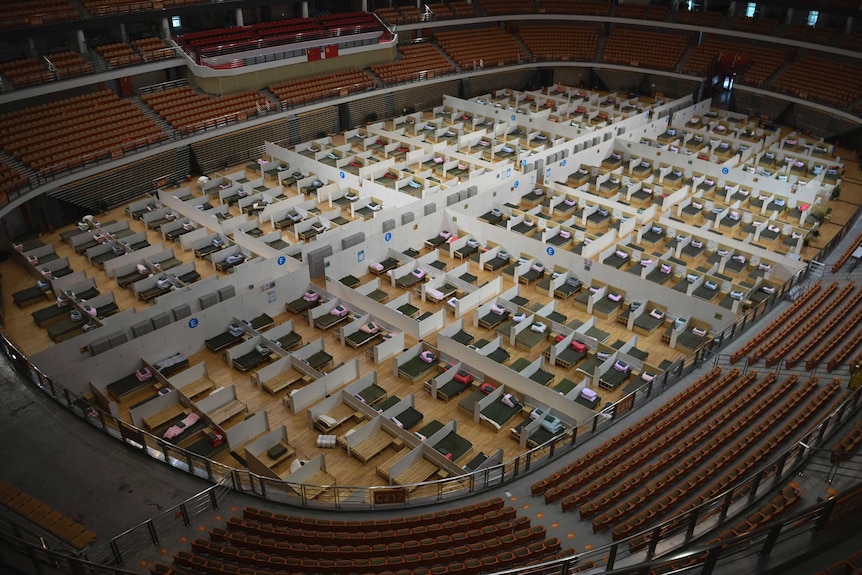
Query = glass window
x=750 y=9
x=813 y=15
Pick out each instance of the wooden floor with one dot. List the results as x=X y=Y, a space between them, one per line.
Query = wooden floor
x=19 y=328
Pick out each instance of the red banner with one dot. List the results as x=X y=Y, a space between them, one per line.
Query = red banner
x=330 y=51
x=313 y=54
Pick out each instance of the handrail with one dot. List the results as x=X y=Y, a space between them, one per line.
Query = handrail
x=451 y=488
x=39 y=178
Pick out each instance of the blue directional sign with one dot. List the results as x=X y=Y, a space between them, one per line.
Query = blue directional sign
x=517 y=183
x=513 y=117
x=550 y=251
x=281 y=260
x=388 y=236
x=341 y=174
x=725 y=171
x=563 y=163
x=193 y=323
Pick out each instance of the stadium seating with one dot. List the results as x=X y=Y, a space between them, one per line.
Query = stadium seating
x=23 y=13
x=821 y=79
x=67 y=133
x=764 y=61
x=575 y=43
x=417 y=60
x=642 y=48
x=188 y=111
x=487 y=47
x=297 y=92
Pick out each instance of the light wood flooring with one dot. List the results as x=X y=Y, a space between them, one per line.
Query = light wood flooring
x=20 y=328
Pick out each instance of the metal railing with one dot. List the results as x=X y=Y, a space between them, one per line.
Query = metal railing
x=363 y=497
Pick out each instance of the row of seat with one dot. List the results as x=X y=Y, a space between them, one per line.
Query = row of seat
x=767 y=513
x=297 y=92
x=11 y=178
x=21 y=123
x=185 y=109
x=796 y=331
x=30 y=71
x=310 y=536
x=119 y=55
x=806 y=33
x=548 y=485
x=848 y=443
x=767 y=430
x=776 y=323
x=839 y=325
x=317 y=524
x=668 y=470
x=851 y=566
x=560 y=42
x=45 y=517
x=649 y=49
x=640 y=12
x=23 y=13
x=416 y=59
x=713 y=416
x=488 y=46
x=107 y=7
x=500 y=7
x=517 y=531
x=766 y=451
x=644 y=448
x=764 y=61
x=70 y=132
x=826 y=80
x=699 y=18
x=844 y=352
x=763 y=26
x=847 y=253
x=583 y=7
x=521 y=557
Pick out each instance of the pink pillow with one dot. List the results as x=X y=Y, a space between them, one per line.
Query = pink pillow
x=427 y=356
x=339 y=311
x=369 y=327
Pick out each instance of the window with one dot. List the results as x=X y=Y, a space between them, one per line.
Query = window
x=175 y=22
x=812 y=17
x=750 y=9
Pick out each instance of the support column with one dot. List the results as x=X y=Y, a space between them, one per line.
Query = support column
x=848 y=25
x=82 y=42
x=33 y=52
x=731 y=10
x=789 y=17
x=365 y=5
x=305 y=9
x=123 y=35
x=239 y=20
x=166 y=28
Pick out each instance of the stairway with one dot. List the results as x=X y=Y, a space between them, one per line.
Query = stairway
x=781 y=69
x=816 y=270
x=15 y=163
x=600 y=48
x=77 y=5
x=686 y=54
x=150 y=113
x=445 y=55
x=275 y=104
